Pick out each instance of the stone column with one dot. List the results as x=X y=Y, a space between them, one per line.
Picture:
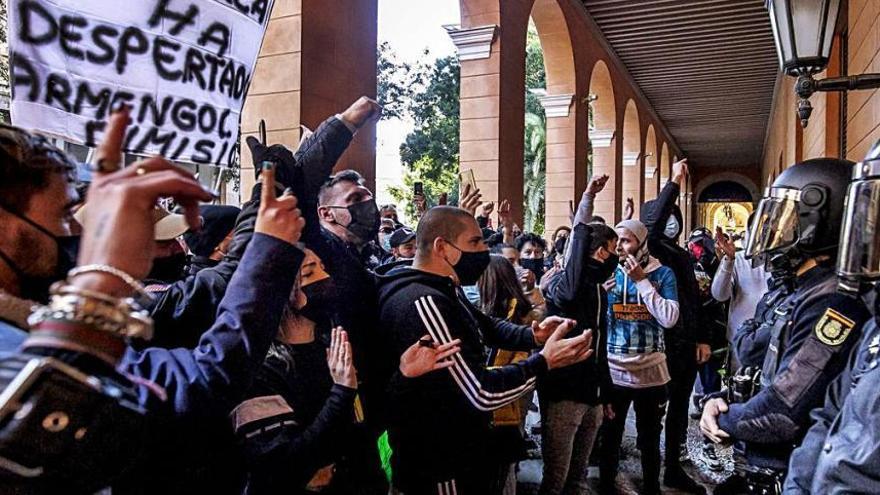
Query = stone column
x=602 y=141
x=318 y=57
x=561 y=160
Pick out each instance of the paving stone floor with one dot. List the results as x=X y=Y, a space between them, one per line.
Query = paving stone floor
x=630 y=477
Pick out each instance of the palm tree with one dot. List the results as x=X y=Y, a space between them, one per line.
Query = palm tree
x=534 y=168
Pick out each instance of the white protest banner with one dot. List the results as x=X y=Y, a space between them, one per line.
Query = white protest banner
x=184 y=67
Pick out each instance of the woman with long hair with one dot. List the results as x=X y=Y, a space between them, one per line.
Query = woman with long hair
x=501 y=296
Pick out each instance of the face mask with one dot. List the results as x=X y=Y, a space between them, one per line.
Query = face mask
x=609 y=266
x=672 y=228
x=386 y=243
x=534 y=265
x=559 y=247
x=36 y=288
x=470 y=266
x=697 y=251
x=169 y=269
x=364 y=220
x=320 y=299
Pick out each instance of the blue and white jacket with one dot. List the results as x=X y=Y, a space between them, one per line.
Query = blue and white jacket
x=638 y=312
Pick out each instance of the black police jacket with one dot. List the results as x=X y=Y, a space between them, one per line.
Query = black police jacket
x=814 y=330
x=841 y=452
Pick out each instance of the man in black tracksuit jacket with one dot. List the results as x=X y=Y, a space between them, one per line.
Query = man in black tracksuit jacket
x=439 y=422
x=682 y=340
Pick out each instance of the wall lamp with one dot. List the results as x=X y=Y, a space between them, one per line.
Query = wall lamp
x=804 y=32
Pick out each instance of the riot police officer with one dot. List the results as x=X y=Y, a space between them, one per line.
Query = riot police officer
x=812 y=329
x=839 y=453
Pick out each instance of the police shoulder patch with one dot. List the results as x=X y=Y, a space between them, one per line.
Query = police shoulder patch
x=833 y=328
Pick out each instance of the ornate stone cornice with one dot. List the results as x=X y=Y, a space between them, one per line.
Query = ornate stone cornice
x=472 y=43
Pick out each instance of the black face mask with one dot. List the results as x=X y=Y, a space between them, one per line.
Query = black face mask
x=320 y=299
x=365 y=220
x=559 y=247
x=36 y=288
x=470 y=266
x=534 y=265
x=609 y=266
x=168 y=269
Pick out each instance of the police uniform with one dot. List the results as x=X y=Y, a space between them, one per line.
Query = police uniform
x=840 y=452
x=812 y=331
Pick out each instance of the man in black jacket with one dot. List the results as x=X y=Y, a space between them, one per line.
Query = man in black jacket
x=686 y=344
x=342 y=218
x=572 y=398
x=439 y=422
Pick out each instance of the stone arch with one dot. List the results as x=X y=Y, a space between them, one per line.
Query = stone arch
x=740 y=179
x=665 y=165
x=602 y=133
x=652 y=173
x=565 y=172
x=493 y=104
x=633 y=174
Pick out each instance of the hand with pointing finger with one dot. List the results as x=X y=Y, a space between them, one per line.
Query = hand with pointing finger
x=119 y=215
x=278 y=217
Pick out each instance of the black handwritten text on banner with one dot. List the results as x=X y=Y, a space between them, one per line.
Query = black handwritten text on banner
x=184 y=67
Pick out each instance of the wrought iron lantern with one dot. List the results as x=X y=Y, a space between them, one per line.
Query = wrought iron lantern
x=804 y=32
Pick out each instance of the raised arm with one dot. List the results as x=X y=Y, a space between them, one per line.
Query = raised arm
x=216 y=373
x=655 y=218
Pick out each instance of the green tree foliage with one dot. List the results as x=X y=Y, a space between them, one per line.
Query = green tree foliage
x=534 y=156
x=429 y=95
x=535 y=177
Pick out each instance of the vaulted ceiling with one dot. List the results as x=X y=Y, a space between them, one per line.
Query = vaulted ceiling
x=708 y=67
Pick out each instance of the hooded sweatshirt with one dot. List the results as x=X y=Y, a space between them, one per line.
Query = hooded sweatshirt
x=439 y=422
x=638 y=314
x=655 y=214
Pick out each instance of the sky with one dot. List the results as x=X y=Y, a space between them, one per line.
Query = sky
x=409 y=26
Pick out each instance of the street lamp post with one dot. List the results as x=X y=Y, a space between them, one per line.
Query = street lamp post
x=804 y=32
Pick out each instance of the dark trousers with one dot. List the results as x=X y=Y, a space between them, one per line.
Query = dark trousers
x=681 y=361
x=650 y=406
x=709 y=377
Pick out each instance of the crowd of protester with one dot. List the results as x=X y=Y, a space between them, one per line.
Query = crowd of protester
x=310 y=341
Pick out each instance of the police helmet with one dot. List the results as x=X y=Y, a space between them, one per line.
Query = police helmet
x=800 y=214
x=859 y=256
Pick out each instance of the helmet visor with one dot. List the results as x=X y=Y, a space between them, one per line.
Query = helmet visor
x=860 y=239
x=775 y=225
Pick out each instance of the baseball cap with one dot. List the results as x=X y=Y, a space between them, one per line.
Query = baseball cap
x=402 y=236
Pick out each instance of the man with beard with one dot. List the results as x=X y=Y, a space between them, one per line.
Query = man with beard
x=342 y=219
x=687 y=344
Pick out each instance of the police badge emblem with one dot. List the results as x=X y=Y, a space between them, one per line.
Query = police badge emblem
x=833 y=328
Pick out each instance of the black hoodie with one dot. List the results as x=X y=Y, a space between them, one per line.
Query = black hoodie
x=577 y=293
x=654 y=215
x=439 y=422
